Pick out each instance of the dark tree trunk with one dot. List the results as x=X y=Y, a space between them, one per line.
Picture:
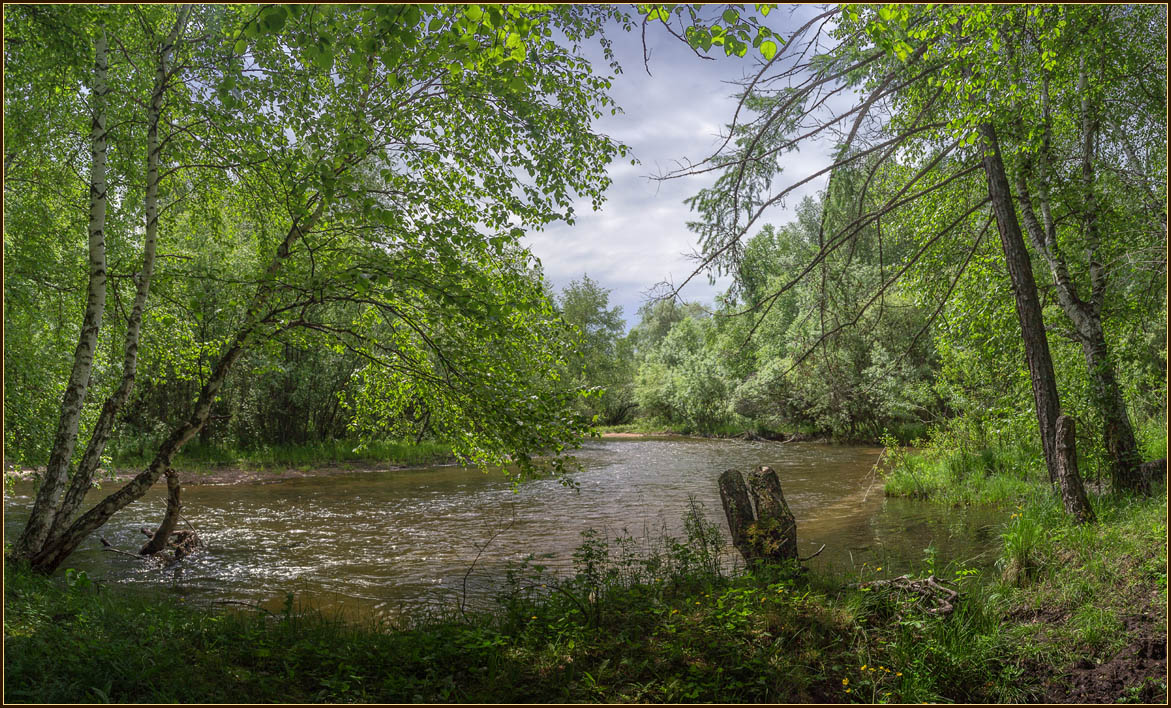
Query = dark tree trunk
x=158 y=542
x=1028 y=307
x=1073 y=494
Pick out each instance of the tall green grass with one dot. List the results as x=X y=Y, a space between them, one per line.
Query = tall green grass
x=958 y=476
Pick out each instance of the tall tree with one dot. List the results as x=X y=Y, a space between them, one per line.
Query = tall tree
x=389 y=158
x=65 y=440
x=604 y=358
x=937 y=90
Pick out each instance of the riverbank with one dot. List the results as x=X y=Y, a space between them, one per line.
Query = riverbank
x=1083 y=620
x=903 y=434
x=217 y=465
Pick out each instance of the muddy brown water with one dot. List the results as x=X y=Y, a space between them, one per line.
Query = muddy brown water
x=393 y=542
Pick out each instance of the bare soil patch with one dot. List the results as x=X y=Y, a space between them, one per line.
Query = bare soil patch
x=1135 y=674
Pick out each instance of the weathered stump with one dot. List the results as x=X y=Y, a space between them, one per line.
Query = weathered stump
x=738 y=509
x=768 y=534
x=1073 y=494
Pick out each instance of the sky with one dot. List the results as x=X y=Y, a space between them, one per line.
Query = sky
x=640 y=237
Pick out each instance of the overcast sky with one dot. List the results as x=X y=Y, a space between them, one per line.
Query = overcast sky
x=640 y=236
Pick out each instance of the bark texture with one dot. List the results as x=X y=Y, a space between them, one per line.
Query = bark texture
x=65 y=440
x=770 y=533
x=1073 y=494
x=1028 y=307
x=737 y=508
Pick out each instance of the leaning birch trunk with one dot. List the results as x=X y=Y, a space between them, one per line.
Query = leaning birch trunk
x=1085 y=314
x=57 y=549
x=1073 y=494
x=158 y=542
x=83 y=478
x=36 y=530
x=769 y=534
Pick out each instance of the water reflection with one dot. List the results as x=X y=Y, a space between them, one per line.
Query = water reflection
x=395 y=541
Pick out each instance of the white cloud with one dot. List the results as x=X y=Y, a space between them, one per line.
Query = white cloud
x=640 y=237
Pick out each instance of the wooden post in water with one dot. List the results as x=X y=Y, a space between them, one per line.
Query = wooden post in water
x=738 y=509
x=769 y=534
x=776 y=529
x=1073 y=494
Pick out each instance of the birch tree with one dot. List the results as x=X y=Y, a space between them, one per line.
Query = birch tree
x=388 y=159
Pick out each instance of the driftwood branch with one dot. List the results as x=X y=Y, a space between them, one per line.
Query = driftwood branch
x=928 y=590
x=815 y=554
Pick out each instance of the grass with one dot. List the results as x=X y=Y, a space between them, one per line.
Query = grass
x=641 y=621
x=199 y=456
x=668 y=625
x=956 y=476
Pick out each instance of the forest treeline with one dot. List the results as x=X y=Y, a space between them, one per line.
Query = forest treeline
x=845 y=351
x=285 y=224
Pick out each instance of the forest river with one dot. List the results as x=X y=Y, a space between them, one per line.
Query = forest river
x=393 y=542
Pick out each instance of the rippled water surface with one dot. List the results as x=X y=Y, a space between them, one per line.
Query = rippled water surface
x=388 y=542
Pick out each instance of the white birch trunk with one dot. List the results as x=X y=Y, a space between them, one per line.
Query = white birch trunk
x=83 y=479
x=65 y=440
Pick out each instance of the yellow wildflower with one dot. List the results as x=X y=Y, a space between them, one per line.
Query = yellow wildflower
x=845 y=682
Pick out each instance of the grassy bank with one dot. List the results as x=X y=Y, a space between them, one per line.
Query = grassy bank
x=197 y=456
x=637 y=624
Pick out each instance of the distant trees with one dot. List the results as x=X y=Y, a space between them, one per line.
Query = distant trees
x=602 y=358
x=948 y=119
x=347 y=178
x=813 y=357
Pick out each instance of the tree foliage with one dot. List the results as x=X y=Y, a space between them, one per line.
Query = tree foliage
x=346 y=178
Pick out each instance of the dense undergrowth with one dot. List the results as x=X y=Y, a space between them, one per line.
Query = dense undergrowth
x=637 y=623
x=903 y=434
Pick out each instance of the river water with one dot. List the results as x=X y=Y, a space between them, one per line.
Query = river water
x=390 y=542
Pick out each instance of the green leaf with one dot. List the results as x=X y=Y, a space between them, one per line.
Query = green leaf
x=274 y=18
x=768 y=49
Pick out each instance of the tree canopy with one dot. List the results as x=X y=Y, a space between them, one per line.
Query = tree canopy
x=353 y=178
